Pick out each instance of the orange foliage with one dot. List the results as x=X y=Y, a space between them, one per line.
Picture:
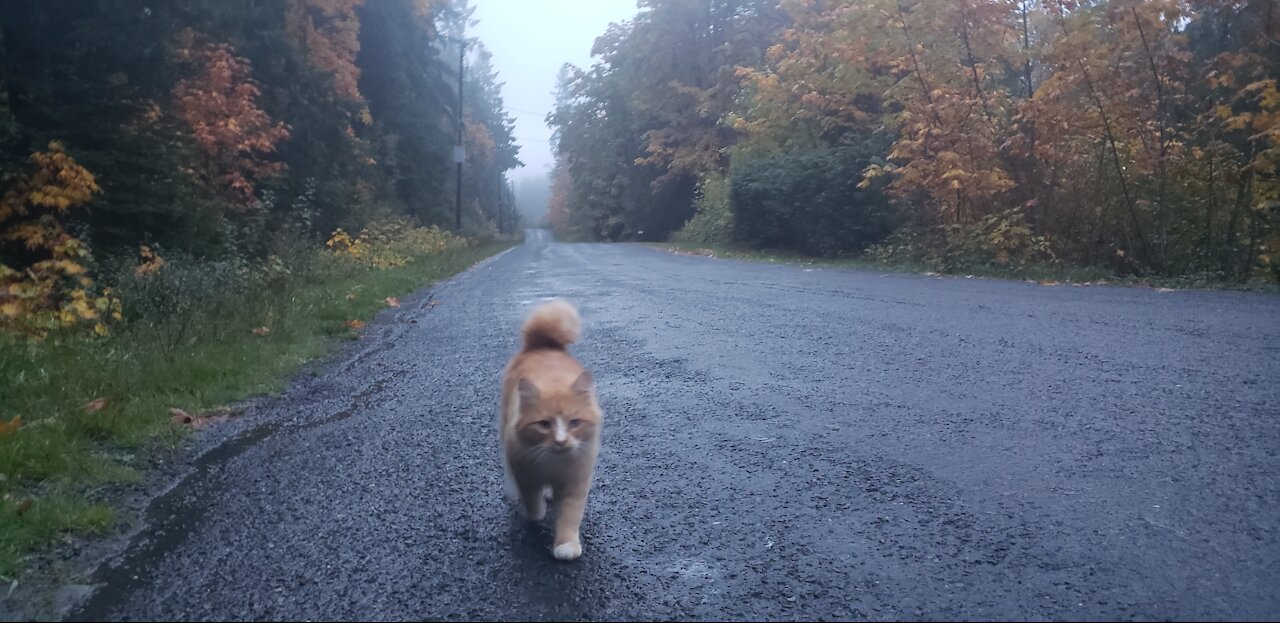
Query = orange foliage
x=1085 y=116
x=479 y=142
x=330 y=33
x=218 y=102
x=558 y=205
x=932 y=72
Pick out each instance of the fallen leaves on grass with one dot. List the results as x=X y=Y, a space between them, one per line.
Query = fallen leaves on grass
x=261 y=331
x=182 y=418
x=96 y=405
x=10 y=427
x=355 y=325
x=392 y=301
x=24 y=506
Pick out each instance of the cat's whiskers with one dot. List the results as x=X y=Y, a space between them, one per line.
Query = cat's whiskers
x=536 y=452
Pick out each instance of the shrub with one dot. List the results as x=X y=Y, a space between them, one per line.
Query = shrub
x=1003 y=239
x=392 y=243
x=168 y=297
x=712 y=221
x=998 y=240
x=911 y=244
x=49 y=286
x=810 y=202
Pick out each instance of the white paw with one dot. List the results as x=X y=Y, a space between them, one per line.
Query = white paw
x=567 y=551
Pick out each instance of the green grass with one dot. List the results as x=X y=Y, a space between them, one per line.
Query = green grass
x=47 y=517
x=782 y=257
x=53 y=468
x=1043 y=273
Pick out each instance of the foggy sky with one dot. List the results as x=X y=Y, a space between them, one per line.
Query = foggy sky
x=530 y=40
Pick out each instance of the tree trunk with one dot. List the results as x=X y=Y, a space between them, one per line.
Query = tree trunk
x=1163 y=147
x=1243 y=191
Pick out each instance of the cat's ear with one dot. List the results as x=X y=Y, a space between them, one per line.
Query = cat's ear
x=584 y=383
x=528 y=391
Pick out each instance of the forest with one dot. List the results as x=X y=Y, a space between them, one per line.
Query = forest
x=1140 y=136
x=203 y=132
x=199 y=196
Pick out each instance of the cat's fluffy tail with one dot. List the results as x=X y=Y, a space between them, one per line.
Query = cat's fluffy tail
x=554 y=324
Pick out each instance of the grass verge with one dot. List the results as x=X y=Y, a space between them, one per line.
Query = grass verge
x=54 y=466
x=1041 y=273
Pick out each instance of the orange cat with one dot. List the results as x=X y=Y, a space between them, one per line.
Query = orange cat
x=549 y=425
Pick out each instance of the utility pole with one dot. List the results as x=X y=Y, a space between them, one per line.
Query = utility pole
x=458 y=154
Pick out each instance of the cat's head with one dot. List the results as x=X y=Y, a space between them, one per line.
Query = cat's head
x=558 y=420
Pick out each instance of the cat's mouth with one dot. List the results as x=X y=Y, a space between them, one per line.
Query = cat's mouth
x=561 y=449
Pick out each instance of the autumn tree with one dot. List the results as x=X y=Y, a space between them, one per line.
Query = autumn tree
x=642 y=126
x=558 y=203
x=489 y=139
x=691 y=52
x=50 y=287
x=218 y=102
x=1238 y=138
x=222 y=130
x=329 y=32
x=998 y=110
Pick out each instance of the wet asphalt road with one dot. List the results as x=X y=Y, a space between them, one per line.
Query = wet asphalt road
x=779 y=443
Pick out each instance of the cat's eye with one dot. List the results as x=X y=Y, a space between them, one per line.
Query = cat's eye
x=544 y=424
x=574 y=423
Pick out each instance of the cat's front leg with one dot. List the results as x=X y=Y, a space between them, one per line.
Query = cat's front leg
x=532 y=500
x=572 y=504
x=509 y=483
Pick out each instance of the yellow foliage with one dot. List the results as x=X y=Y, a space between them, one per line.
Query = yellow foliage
x=388 y=245
x=343 y=244
x=54 y=291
